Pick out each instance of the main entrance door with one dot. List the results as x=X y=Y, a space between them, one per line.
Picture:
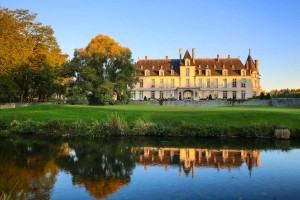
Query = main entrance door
x=188 y=94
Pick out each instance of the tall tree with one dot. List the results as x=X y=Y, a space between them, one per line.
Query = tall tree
x=103 y=68
x=30 y=51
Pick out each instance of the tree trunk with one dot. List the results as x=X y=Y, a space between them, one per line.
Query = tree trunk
x=22 y=96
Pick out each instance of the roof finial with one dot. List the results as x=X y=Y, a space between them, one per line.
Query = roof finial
x=249 y=51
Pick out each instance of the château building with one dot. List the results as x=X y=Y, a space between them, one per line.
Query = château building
x=194 y=78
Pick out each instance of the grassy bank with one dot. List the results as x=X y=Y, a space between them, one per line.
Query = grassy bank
x=95 y=121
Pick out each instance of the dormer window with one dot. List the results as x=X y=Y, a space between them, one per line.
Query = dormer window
x=161 y=73
x=223 y=66
x=153 y=67
x=199 y=66
x=141 y=67
x=147 y=73
x=208 y=72
x=207 y=66
x=200 y=72
x=172 y=72
x=215 y=67
x=225 y=72
x=243 y=72
x=161 y=67
x=232 y=66
x=187 y=62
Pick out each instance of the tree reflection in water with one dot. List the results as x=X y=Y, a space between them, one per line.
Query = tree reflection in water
x=28 y=169
x=101 y=167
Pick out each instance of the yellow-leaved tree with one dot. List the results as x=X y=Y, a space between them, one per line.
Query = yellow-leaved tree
x=102 y=69
x=30 y=57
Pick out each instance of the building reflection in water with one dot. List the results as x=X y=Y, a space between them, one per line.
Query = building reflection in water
x=188 y=159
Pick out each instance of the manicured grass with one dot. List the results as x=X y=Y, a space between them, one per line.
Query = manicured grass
x=221 y=116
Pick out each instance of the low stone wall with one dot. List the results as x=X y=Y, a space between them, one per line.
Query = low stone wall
x=205 y=103
x=15 y=105
x=286 y=102
x=278 y=102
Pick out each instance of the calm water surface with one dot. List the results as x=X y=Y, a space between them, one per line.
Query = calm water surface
x=150 y=168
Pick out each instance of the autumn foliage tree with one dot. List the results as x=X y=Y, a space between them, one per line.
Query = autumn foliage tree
x=102 y=69
x=29 y=56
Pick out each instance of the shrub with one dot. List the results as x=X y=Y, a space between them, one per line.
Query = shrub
x=97 y=129
x=27 y=126
x=55 y=127
x=116 y=124
x=143 y=127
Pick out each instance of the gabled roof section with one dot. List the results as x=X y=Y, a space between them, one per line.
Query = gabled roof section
x=187 y=55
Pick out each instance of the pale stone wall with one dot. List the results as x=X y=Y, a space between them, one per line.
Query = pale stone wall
x=280 y=102
x=205 y=103
x=15 y=105
x=286 y=102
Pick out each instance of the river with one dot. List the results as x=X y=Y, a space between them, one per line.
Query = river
x=150 y=168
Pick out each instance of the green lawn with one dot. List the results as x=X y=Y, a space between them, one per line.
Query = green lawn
x=236 y=116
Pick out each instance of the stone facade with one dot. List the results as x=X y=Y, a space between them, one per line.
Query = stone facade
x=197 y=78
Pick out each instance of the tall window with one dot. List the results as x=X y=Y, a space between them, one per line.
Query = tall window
x=224 y=94
x=200 y=82
x=187 y=71
x=133 y=95
x=187 y=82
x=141 y=83
x=215 y=94
x=161 y=94
x=153 y=83
x=161 y=83
x=141 y=95
x=172 y=72
x=243 y=94
x=172 y=94
x=152 y=94
x=234 y=94
x=216 y=83
x=208 y=83
x=172 y=83
x=243 y=83
x=234 y=83
x=224 y=83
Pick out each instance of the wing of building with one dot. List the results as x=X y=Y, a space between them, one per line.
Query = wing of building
x=197 y=78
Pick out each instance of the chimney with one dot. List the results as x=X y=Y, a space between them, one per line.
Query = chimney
x=146 y=57
x=228 y=56
x=257 y=65
x=180 y=54
x=247 y=65
x=193 y=54
x=167 y=57
x=218 y=57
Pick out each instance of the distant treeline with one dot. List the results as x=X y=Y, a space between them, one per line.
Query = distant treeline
x=285 y=93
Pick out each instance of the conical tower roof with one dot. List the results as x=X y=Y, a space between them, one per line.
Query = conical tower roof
x=250 y=62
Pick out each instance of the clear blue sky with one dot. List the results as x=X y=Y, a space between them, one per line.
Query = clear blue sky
x=157 y=28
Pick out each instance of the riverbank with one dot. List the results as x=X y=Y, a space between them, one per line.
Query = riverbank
x=143 y=120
